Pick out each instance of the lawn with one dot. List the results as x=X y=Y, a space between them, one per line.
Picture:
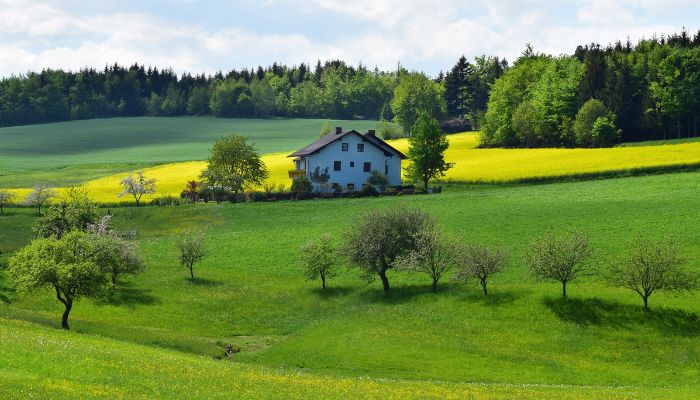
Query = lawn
x=78 y=151
x=250 y=294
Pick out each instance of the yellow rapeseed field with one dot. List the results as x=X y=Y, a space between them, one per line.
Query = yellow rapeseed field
x=471 y=165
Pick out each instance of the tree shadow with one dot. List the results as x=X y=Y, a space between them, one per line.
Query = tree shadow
x=332 y=291
x=126 y=295
x=204 y=282
x=6 y=291
x=599 y=312
x=494 y=298
x=403 y=294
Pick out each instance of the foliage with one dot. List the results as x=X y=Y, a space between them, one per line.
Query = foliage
x=604 y=132
x=562 y=257
x=585 y=118
x=416 y=94
x=318 y=258
x=379 y=238
x=388 y=131
x=426 y=151
x=301 y=184
x=191 y=249
x=191 y=191
x=653 y=266
x=526 y=124
x=433 y=255
x=378 y=180
x=40 y=195
x=65 y=265
x=75 y=212
x=234 y=164
x=480 y=262
x=137 y=187
x=326 y=128
x=6 y=198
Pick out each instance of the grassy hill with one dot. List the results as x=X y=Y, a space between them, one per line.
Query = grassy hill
x=599 y=343
x=77 y=151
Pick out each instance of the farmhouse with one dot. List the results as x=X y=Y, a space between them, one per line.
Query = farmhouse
x=345 y=160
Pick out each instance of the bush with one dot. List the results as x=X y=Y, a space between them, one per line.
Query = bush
x=302 y=184
x=388 y=131
x=205 y=194
x=167 y=200
x=604 y=132
x=259 y=196
x=369 y=190
x=378 y=180
x=585 y=118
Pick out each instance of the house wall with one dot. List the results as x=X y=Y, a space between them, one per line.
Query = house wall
x=351 y=175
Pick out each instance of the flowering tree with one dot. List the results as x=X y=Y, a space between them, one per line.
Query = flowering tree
x=40 y=195
x=138 y=186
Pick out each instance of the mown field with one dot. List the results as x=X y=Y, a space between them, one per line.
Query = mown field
x=99 y=153
x=524 y=340
x=78 y=151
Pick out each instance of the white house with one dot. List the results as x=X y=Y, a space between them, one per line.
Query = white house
x=346 y=160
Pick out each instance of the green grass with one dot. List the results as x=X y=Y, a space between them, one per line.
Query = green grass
x=251 y=294
x=76 y=151
x=660 y=142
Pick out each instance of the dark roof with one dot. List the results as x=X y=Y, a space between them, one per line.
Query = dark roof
x=332 y=137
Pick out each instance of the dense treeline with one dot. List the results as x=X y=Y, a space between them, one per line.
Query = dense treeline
x=598 y=96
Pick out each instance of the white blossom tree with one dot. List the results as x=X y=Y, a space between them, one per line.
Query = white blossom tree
x=137 y=186
x=40 y=195
x=6 y=198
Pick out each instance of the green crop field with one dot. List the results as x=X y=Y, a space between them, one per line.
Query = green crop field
x=77 y=151
x=350 y=340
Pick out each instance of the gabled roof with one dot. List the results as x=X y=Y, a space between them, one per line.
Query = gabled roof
x=332 y=137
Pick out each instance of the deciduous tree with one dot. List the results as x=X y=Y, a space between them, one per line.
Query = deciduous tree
x=138 y=186
x=191 y=249
x=6 y=198
x=427 y=145
x=40 y=195
x=318 y=258
x=562 y=257
x=480 y=262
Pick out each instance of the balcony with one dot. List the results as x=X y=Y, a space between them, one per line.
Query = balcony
x=295 y=173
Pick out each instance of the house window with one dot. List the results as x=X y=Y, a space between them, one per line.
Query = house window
x=360 y=147
x=336 y=165
x=351 y=186
x=386 y=169
x=352 y=164
x=344 y=147
x=367 y=167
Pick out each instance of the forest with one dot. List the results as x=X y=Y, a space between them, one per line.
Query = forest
x=596 y=97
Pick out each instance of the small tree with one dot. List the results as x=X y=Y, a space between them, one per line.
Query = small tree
x=378 y=180
x=427 y=145
x=653 y=266
x=113 y=254
x=301 y=184
x=233 y=164
x=191 y=248
x=40 y=195
x=480 y=262
x=138 y=186
x=75 y=212
x=561 y=258
x=191 y=191
x=318 y=258
x=64 y=265
x=6 y=198
x=585 y=118
x=326 y=128
x=604 y=132
x=379 y=238
x=434 y=255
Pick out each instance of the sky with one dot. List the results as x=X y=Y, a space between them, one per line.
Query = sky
x=206 y=36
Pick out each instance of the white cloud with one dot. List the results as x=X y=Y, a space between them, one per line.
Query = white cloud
x=422 y=34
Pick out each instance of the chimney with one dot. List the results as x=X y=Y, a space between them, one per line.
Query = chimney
x=338 y=130
x=371 y=132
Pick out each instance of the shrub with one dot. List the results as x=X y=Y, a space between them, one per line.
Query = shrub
x=585 y=118
x=259 y=196
x=389 y=131
x=167 y=200
x=302 y=184
x=378 y=180
x=604 y=132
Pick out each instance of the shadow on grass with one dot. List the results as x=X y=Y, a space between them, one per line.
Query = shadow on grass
x=332 y=291
x=494 y=298
x=404 y=293
x=204 y=282
x=127 y=295
x=6 y=291
x=624 y=316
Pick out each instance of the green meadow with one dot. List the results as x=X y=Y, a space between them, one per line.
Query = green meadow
x=77 y=151
x=350 y=340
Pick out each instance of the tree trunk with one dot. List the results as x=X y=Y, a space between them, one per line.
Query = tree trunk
x=483 y=285
x=435 y=282
x=323 y=281
x=66 y=313
x=425 y=183
x=385 y=280
x=191 y=272
x=646 y=302
x=563 y=288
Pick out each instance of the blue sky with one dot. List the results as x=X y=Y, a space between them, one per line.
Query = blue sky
x=205 y=36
